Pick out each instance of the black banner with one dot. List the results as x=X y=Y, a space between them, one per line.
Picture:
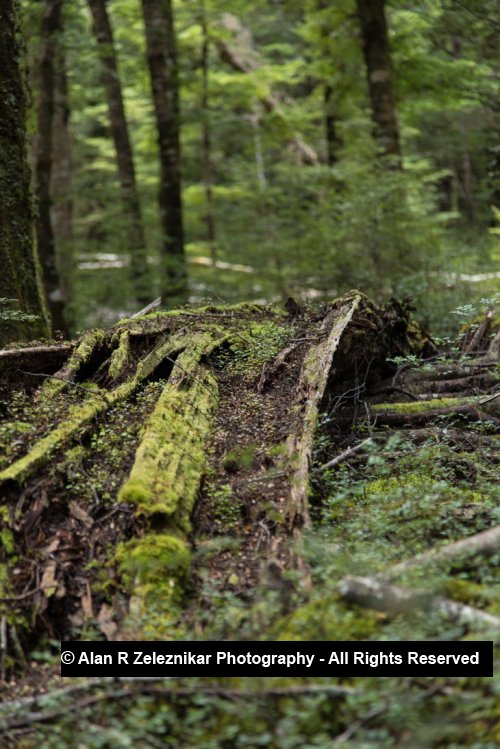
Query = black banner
x=293 y=658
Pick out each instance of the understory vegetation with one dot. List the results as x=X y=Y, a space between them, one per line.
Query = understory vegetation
x=138 y=526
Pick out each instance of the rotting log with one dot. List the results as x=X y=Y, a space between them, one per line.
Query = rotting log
x=169 y=466
x=394 y=600
x=82 y=416
x=310 y=391
x=279 y=392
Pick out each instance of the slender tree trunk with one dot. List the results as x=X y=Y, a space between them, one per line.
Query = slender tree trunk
x=467 y=180
x=50 y=33
x=206 y=135
x=124 y=158
x=163 y=69
x=379 y=75
x=333 y=142
x=61 y=178
x=19 y=277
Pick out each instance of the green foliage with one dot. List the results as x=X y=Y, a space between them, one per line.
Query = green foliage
x=282 y=227
x=14 y=315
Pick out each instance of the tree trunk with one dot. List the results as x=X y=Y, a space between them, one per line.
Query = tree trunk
x=50 y=32
x=19 y=276
x=333 y=141
x=206 y=135
x=377 y=56
x=163 y=69
x=124 y=158
x=61 y=181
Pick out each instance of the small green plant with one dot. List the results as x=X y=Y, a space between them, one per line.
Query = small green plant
x=226 y=507
x=14 y=315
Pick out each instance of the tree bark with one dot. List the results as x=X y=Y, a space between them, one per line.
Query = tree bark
x=19 y=277
x=61 y=178
x=50 y=32
x=110 y=78
x=333 y=141
x=163 y=69
x=206 y=135
x=377 y=57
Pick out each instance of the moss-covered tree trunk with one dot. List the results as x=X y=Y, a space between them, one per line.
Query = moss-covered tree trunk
x=377 y=57
x=18 y=276
x=136 y=241
x=51 y=28
x=163 y=69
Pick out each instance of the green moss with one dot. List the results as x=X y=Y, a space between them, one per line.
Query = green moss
x=171 y=457
x=88 y=344
x=328 y=618
x=7 y=546
x=120 y=356
x=417 y=406
x=155 y=566
x=81 y=416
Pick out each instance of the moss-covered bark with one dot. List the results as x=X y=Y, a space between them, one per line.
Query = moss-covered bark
x=19 y=278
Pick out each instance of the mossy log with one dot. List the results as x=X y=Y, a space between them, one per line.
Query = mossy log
x=200 y=385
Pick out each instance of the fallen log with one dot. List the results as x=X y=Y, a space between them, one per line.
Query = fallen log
x=382 y=596
x=466 y=411
x=482 y=544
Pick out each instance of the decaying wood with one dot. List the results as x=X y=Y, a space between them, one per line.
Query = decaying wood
x=482 y=544
x=310 y=391
x=34 y=357
x=468 y=411
x=382 y=596
x=79 y=421
x=148 y=308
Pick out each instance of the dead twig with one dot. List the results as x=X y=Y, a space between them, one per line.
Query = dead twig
x=14 y=720
x=347 y=453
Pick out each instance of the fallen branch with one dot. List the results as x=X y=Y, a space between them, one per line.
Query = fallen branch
x=466 y=410
x=382 y=596
x=350 y=451
x=62 y=348
x=484 y=544
x=148 y=308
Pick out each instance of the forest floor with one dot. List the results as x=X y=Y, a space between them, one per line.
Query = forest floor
x=250 y=473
